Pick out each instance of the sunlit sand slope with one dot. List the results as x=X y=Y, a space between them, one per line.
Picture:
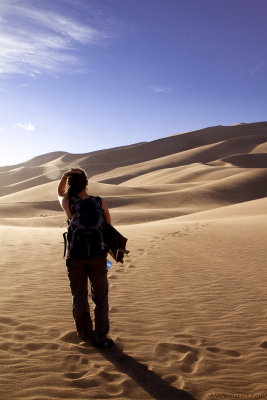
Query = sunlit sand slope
x=187 y=307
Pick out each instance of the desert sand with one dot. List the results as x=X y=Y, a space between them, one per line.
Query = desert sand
x=188 y=307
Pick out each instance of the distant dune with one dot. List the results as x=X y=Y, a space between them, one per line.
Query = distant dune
x=187 y=307
x=180 y=174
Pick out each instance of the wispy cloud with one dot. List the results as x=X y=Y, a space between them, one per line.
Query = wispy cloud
x=40 y=40
x=157 y=89
x=26 y=127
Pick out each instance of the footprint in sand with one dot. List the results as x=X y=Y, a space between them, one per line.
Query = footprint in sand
x=70 y=337
x=176 y=234
x=75 y=366
x=171 y=351
x=112 y=277
x=121 y=269
x=114 y=310
x=213 y=349
x=190 y=359
x=171 y=378
x=84 y=383
x=141 y=251
x=109 y=377
x=74 y=375
x=231 y=353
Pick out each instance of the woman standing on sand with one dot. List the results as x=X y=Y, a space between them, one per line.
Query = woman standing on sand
x=73 y=185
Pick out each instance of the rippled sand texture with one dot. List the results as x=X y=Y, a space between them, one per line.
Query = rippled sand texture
x=187 y=308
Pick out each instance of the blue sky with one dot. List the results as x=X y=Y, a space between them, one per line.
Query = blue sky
x=83 y=75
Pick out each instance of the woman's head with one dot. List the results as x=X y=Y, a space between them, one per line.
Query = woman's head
x=77 y=181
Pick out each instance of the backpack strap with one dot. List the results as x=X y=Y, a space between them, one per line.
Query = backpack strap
x=99 y=203
x=74 y=204
x=65 y=244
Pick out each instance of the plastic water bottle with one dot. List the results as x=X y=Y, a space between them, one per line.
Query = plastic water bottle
x=109 y=263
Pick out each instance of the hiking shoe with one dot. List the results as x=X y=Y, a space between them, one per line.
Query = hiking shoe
x=104 y=344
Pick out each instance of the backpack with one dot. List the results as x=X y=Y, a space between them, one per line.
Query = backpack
x=84 y=238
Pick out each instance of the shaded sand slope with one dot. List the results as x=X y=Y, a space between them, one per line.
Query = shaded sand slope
x=188 y=306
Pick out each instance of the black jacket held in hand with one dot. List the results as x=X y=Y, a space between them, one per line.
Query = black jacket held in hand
x=115 y=242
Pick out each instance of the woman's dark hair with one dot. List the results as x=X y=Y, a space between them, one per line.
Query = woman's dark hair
x=76 y=183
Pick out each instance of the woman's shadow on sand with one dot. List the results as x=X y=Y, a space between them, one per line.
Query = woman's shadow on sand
x=148 y=380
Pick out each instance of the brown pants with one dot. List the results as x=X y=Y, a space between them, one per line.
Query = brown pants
x=78 y=273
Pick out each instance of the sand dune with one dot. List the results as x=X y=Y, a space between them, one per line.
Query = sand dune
x=188 y=306
x=228 y=141
x=205 y=154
